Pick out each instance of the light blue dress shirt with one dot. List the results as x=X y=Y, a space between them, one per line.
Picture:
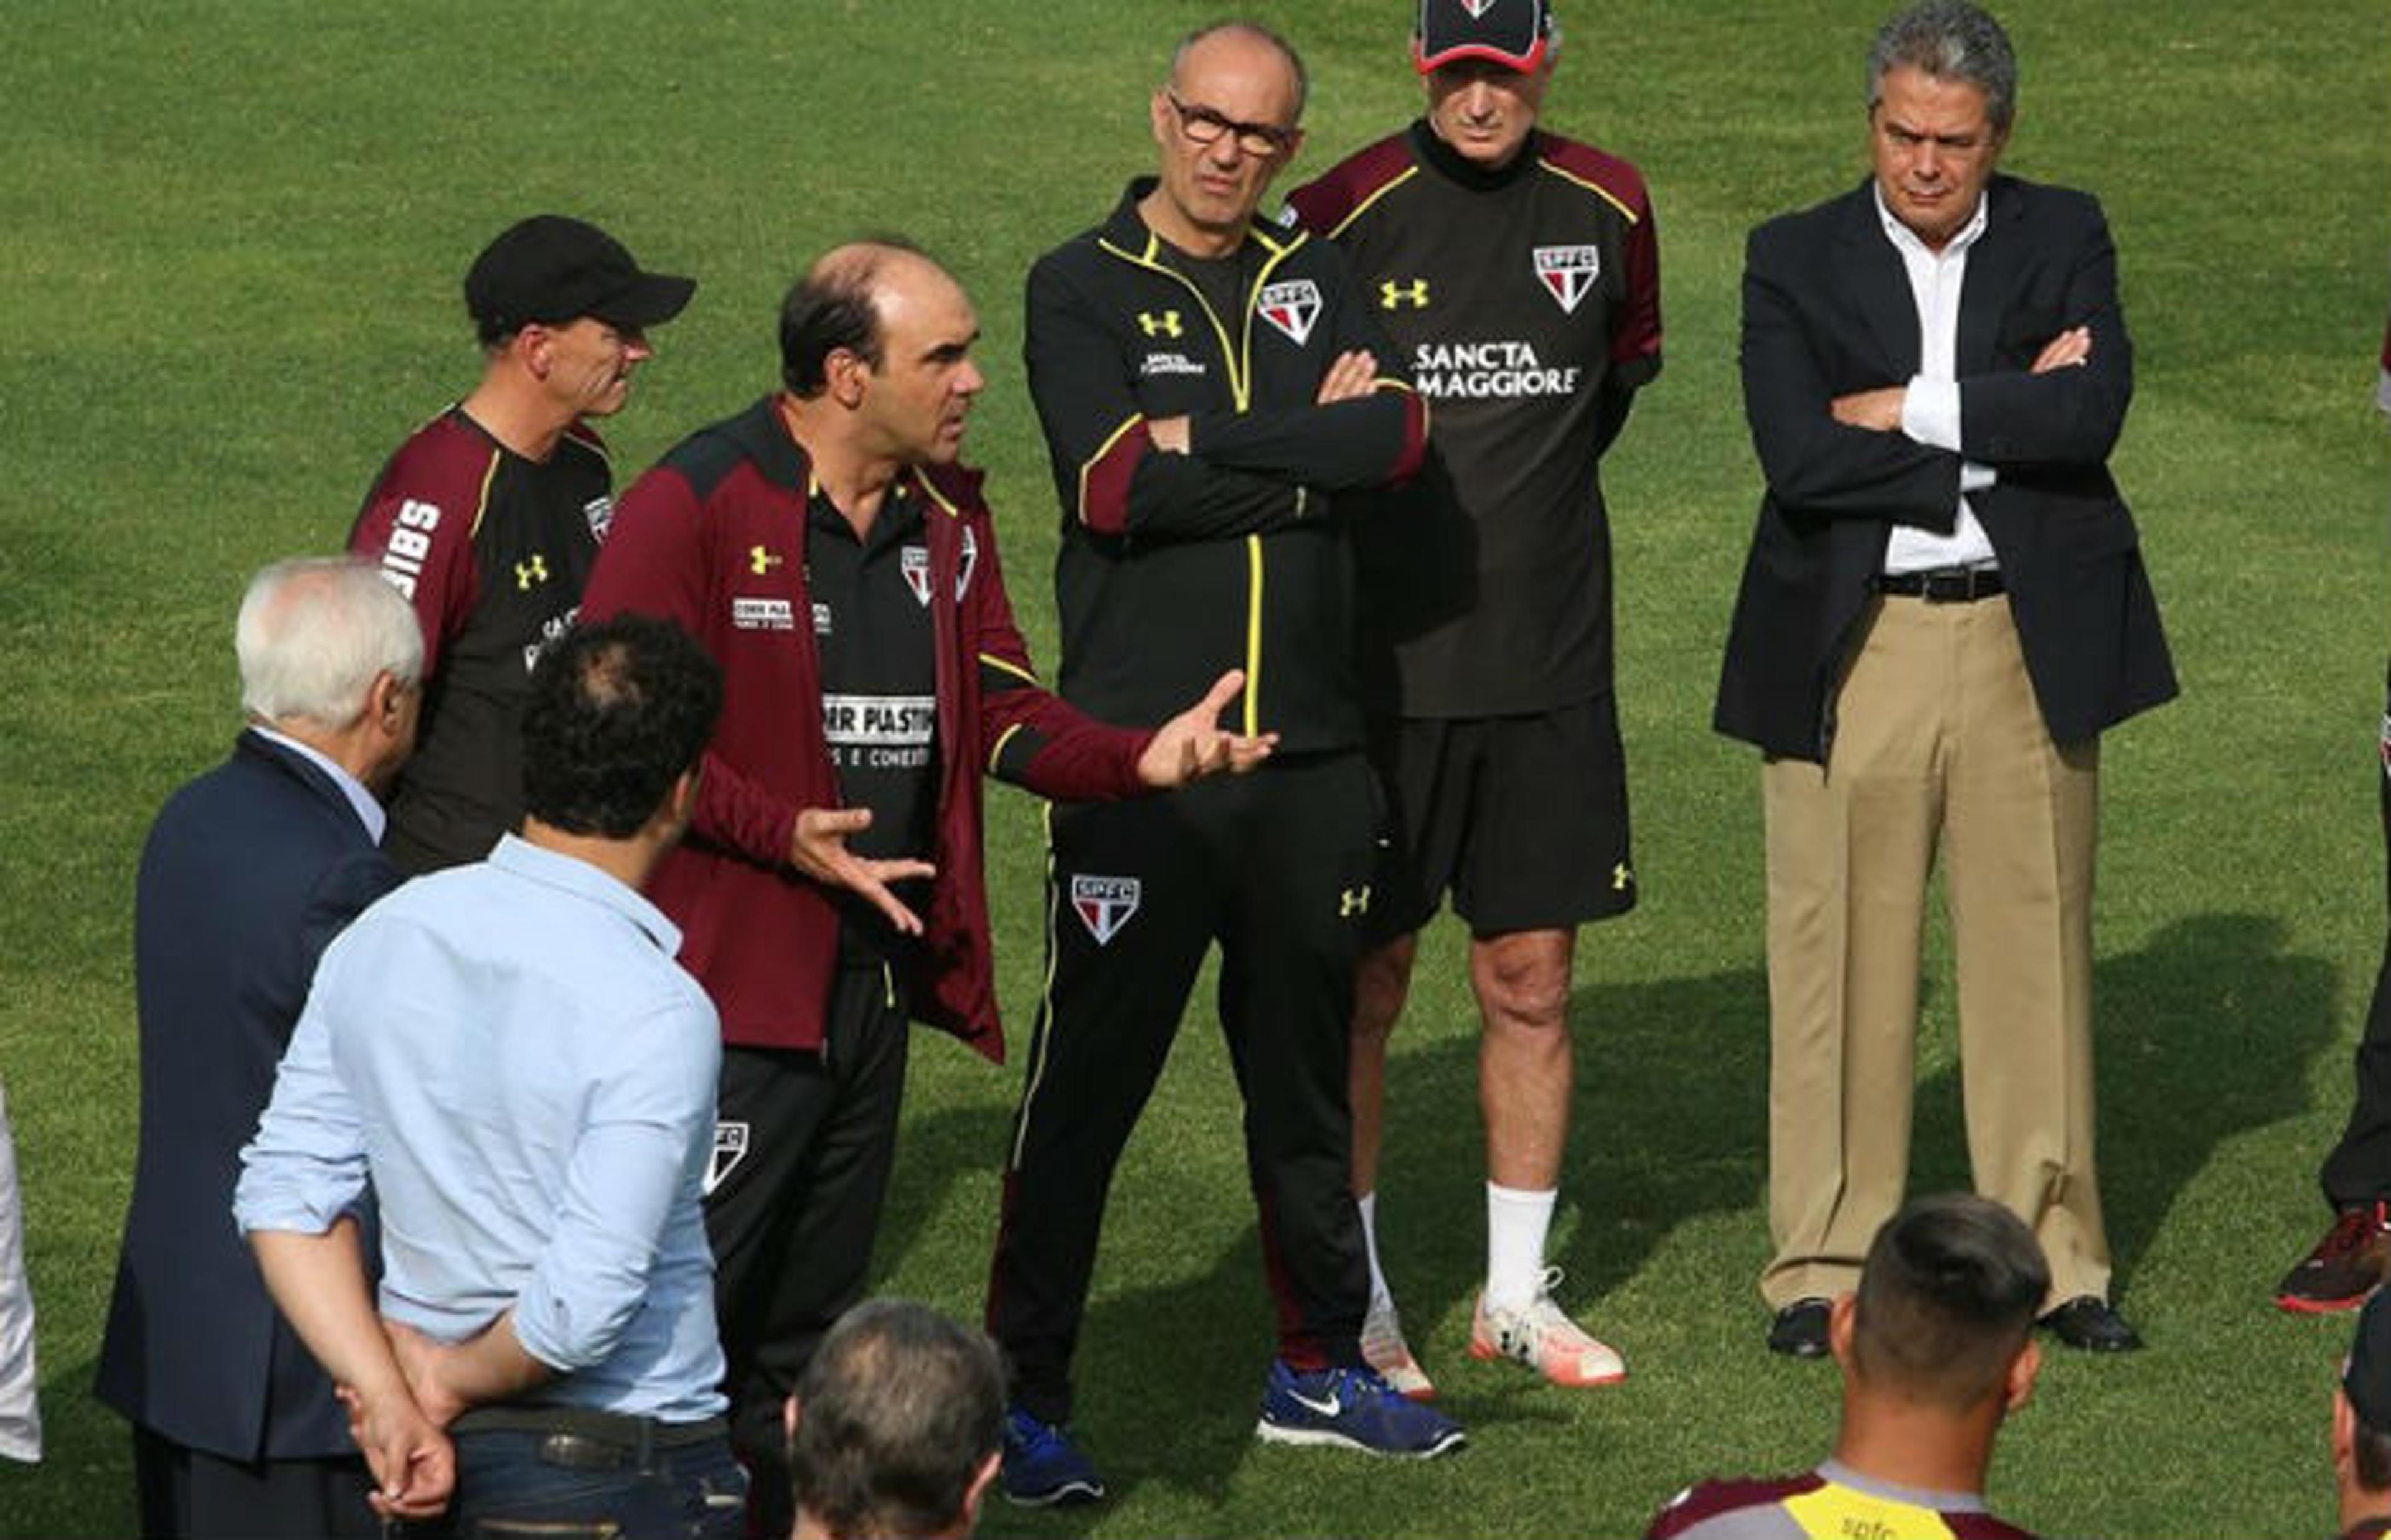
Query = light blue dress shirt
x=513 y=1054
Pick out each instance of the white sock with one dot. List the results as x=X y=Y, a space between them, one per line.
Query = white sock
x=1379 y=1293
x=1516 y=1223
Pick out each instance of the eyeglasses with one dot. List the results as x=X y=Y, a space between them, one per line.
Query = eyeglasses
x=1203 y=126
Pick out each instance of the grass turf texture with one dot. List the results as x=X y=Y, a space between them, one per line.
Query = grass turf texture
x=233 y=232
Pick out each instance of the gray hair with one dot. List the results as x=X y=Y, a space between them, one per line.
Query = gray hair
x=1949 y=39
x=1260 y=33
x=313 y=633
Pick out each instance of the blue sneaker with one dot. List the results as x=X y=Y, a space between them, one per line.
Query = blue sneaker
x=1042 y=1466
x=1351 y=1409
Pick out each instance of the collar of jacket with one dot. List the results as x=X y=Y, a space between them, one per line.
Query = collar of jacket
x=763 y=437
x=1128 y=230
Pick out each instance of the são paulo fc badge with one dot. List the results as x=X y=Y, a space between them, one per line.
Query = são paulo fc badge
x=1104 y=903
x=914 y=562
x=1566 y=272
x=1291 y=306
x=730 y=1148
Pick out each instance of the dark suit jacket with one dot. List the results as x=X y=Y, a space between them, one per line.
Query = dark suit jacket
x=1828 y=310
x=250 y=872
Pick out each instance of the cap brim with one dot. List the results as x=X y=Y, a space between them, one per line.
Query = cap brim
x=652 y=299
x=1524 y=63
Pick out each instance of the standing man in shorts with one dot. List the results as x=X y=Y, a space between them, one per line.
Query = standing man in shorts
x=488 y=520
x=1517 y=273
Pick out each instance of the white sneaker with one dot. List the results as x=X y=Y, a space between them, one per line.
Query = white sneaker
x=1545 y=1339
x=1383 y=1348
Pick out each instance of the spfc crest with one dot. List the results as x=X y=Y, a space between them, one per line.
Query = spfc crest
x=965 y=564
x=1476 y=8
x=730 y=1148
x=914 y=562
x=1568 y=273
x=1292 y=307
x=600 y=511
x=1104 y=903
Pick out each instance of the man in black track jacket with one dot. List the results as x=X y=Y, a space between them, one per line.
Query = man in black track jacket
x=1208 y=384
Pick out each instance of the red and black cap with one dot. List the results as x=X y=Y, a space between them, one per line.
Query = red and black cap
x=550 y=268
x=1513 y=33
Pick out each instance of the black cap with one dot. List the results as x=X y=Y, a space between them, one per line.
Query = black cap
x=1510 y=32
x=550 y=268
x=2366 y=1381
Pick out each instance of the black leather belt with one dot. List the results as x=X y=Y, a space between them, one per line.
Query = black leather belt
x=1944 y=585
x=578 y=1439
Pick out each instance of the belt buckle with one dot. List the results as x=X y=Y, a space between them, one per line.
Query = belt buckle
x=1955 y=585
x=578 y=1452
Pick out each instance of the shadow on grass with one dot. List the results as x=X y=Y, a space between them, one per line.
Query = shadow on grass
x=2201 y=1035
x=948 y=1148
x=1670 y=1124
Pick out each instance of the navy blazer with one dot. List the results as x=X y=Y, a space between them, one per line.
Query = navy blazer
x=1826 y=311
x=249 y=873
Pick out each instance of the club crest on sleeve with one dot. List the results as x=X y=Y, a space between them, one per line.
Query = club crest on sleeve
x=1104 y=903
x=1568 y=272
x=1292 y=307
x=914 y=562
x=730 y=1148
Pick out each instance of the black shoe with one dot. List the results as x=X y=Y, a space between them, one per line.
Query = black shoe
x=1800 y=1330
x=2344 y=1267
x=2089 y=1322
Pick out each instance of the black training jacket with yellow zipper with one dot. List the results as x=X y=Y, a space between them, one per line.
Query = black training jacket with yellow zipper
x=1233 y=554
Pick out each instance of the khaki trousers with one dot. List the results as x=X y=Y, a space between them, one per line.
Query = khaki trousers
x=1939 y=747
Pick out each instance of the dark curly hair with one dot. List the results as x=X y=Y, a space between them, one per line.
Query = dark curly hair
x=618 y=711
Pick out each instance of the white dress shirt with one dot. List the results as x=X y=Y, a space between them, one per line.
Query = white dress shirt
x=1930 y=411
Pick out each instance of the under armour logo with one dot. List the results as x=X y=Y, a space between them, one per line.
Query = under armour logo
x=529 y=573
x=1353 y=900
x=760 y=561
x=1165 y=325
x=1620 y=878
x=1393 y=295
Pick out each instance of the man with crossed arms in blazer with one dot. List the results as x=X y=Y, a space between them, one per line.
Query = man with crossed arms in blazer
x=1943 y=607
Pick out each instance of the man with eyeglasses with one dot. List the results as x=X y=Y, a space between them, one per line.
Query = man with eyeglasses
x=1209 y=385
x=489 y=517
x=1519 y=272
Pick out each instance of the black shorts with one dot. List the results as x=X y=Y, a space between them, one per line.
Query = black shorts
x=1524 y=818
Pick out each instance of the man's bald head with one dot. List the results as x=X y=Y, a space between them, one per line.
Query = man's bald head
x=1239 y=43
x=841 y=303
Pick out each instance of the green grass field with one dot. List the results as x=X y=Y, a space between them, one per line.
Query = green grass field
x=230 y=236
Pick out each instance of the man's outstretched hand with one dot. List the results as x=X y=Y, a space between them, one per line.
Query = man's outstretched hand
x=1194 y=745
x=818 y=848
